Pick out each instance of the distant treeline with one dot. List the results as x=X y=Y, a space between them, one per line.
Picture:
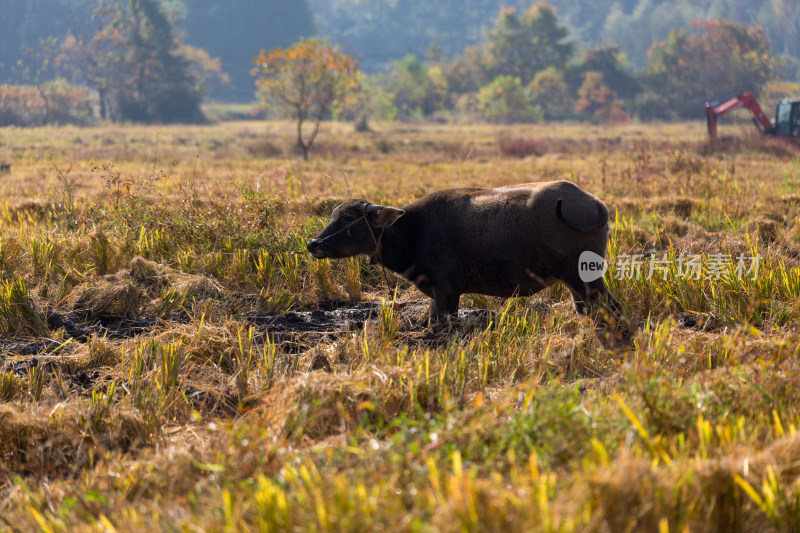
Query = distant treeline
x=596 y=60
x=528 y=68
x=378 y=32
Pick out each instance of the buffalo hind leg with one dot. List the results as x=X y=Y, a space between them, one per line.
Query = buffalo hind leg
x=594 y=300
x=592 y=297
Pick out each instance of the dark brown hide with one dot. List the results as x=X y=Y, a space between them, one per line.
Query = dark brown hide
x=503 y=242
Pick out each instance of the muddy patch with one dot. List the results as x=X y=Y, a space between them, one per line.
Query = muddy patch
x=81 y=325
x=699 y=321
x=413 y=315
x=295 y=332
x=316 y=321
x=29 y=347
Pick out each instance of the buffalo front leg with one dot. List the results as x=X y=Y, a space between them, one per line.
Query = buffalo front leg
x=444 y=302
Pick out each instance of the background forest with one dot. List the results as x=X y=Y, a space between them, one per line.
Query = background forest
x=497 y=60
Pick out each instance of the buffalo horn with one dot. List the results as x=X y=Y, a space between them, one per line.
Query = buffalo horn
x=372 y=208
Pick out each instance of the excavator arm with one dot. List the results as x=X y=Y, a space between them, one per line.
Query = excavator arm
x=741 y=100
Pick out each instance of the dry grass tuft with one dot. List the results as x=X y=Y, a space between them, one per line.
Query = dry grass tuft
x=114 y=295
x=65 y=441
x=265 y=148
x=147 y=287
x=680 y=206
x=28 y=211
x=317 y=405
x=705 y=494
x=764 y=229
x=324 y=206
x=772 y=146
x=147 y=272
x=522 y=147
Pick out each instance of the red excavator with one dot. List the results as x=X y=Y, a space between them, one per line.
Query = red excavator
x=786 y=123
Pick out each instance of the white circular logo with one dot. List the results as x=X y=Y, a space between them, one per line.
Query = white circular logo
x=591 y=266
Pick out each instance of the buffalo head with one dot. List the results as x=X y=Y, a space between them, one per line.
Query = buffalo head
x=355 y=229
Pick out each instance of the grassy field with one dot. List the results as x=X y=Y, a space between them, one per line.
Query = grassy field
x=173 y=359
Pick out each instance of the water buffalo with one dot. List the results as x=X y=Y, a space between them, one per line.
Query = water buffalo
x=505 y=241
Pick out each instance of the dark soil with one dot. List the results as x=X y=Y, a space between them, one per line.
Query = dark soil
x=294 y=332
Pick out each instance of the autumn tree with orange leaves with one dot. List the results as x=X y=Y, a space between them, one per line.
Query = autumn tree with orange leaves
x=718 y=58
x=310 y=78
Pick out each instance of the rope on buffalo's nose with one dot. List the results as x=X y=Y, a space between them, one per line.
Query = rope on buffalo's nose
x=346 y=228
x=377 y=243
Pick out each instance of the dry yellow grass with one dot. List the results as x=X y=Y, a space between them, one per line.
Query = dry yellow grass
x=173 y=359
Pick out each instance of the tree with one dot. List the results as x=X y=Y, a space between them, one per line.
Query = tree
x=597 y=102
x=25 y=23
x=39 y=67
x=466 y=73
x=99 y=63
x=137 y=65
x=309 y=78
x=506 y=100
x=370 y=101
x=163 y=88
x=522 y=46
x=719 y=58
x=781 y=22
x=418 y=89
x=608 y=60
x=646 y=22
x=551 y=93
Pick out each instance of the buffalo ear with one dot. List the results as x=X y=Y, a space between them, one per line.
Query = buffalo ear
x=388 y=216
